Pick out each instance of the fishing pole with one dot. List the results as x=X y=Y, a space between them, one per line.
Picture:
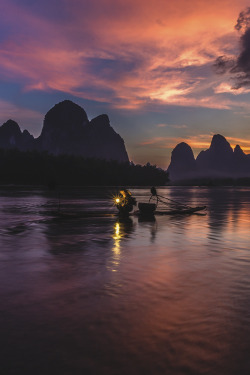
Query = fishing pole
x=158 y=198
x=171 y=200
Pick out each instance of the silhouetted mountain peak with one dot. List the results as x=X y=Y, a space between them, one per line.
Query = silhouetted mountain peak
x=11 y=127
x=108 y=144
x=27 y=133
x=218 y=161
x=101 y=121
x=183 y=154
x=63 y=127
x=67 y=130
x=10 y=134
x=28 y=140
x=182 y=162
x=12 y=137
x=239 y=151
x=65 y=116
x=220 y=144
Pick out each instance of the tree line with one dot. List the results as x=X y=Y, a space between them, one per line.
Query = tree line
x=42 y=168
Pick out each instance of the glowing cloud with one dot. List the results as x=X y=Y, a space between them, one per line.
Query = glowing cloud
x=129 y=57
x=124 y=53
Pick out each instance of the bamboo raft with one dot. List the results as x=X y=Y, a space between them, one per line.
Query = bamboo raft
x=125 y=202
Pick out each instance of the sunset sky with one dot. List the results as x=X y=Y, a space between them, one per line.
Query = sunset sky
x=154 y=67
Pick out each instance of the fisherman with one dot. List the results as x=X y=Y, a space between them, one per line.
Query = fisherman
x=125 y=202
x=154 y=194
x=153 y=191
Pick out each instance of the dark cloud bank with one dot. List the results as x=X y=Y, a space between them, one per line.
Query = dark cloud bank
x=239 y=67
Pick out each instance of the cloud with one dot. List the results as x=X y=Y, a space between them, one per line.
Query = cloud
x=225 y=87
x=239 y=66
x=175 y=126
x=243 y=21
x=131 y=58
x=243 y=142
x=242 y=67
x=196 y=142
x=127 y=54
x=223 y=64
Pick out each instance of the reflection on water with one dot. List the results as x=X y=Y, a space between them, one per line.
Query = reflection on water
x=116 y=248
x=105 y=295
x=122 y=229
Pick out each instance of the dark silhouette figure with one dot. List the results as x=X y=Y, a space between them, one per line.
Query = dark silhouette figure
x=154 y=194
x=153 y=191
x=125 y=202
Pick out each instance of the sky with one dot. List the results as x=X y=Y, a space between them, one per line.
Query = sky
x=164 y=71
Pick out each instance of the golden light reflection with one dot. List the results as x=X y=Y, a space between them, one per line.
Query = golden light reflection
x=117 y=235
x=121 y=230
x=116 y=248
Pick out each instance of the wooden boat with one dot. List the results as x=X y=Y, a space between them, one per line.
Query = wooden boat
x=147 y=208
x=125 y=202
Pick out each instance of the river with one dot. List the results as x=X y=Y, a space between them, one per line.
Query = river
x=103 y=295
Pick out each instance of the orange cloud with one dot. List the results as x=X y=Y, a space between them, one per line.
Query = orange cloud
x=198 y=142
x=128 y=53
x=175 y=126
x=225 y=87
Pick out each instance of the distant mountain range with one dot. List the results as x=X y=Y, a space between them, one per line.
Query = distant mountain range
x=219 y=161
x=67 y=130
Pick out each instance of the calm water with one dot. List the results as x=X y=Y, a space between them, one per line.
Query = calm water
x=106 y=296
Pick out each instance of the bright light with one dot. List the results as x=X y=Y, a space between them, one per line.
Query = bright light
x=116 y=249
x=117 y=229
x=116 y=199
x=117 y=235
